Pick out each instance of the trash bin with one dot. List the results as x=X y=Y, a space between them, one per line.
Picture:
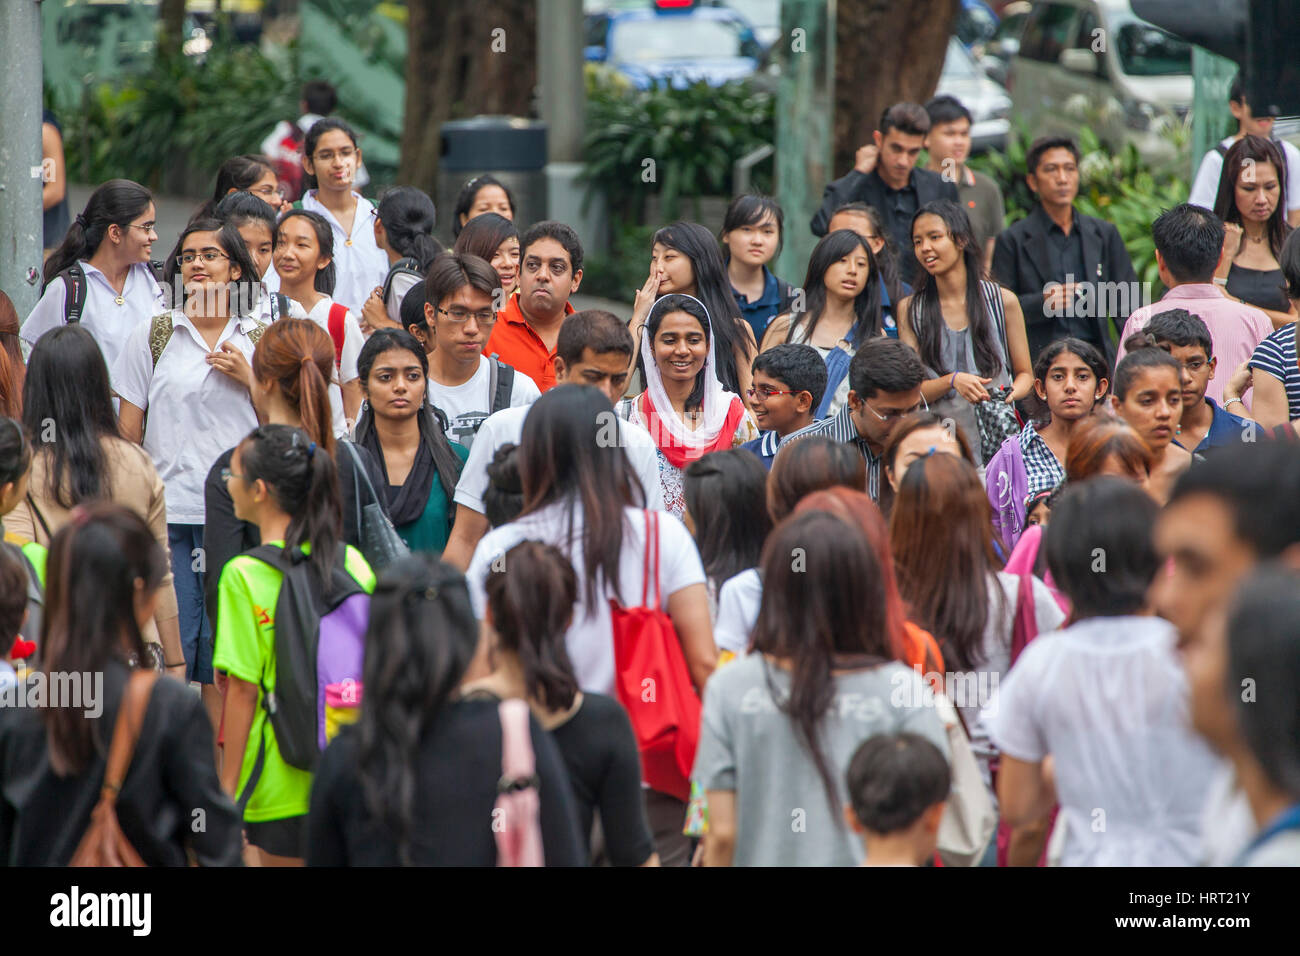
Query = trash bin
x=511 y=148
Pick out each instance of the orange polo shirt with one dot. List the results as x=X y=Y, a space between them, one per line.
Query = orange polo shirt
x=514 y=342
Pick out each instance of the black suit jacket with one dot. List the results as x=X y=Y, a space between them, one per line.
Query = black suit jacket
x=870 y=189
x=1021 y=263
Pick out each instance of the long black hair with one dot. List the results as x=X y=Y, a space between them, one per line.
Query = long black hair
x=1253 y=150
x=239 y=173
x=68 y=412
x=866 y=305
x=925 y=313
x=408 y=216
x=420 y=640
x=532 y=607
x=677 y=302
x=327 y=277
x=432 y=429
x=247 y=287
x=98 y=562
x=304 y=484
x=819 y=613
x=319 y=129
x=725 y=497
x=468 y=193
x=116 y=202
x=567 y=455
x=713 y=288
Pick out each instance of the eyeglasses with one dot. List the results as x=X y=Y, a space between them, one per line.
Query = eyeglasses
x=893 y=415
x=460 y=316
x=227 y=474
x=146 y=226
x=765 y=393
x=207 y=255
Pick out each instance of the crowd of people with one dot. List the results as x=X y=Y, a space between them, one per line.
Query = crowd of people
x=386 y=554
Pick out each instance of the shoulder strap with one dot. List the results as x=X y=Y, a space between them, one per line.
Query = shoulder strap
x=1221 y=149
x=651 y=560
x=74 y=298
x=279 y=306
x=501 y=384
x=156 y=268
x=160 y=333
x=40 y=518
x=126 y=730
x=338 y=330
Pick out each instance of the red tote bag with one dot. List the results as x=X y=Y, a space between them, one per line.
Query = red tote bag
x=654 y=684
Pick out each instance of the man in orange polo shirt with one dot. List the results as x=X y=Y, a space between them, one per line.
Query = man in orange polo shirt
x=550 y=270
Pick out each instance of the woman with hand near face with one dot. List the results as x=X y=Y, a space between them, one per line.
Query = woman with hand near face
x=1149 y=398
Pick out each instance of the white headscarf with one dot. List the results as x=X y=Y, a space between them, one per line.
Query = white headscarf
x=717 y=400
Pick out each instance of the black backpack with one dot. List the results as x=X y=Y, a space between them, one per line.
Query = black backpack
x=74 y=285
x=501 y=382
x=319 y=641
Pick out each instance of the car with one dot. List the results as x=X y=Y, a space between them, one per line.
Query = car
x=764 y=16
x=1096 y=63
x=988 y=102
x=995 y=55
x=673 y=42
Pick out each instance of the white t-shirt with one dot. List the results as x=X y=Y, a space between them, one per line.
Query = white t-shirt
x=507 y=427
x=359 y=264
x=197 y=411
x=739 y=599
x=590 y=636
x=468 y=405
x=1108 y=699
x=353 y=340
x=1206 y=185
x=111 y=324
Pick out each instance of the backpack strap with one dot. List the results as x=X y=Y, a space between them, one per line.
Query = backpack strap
x=156 y=267
x=279 y=306
x=74 y=296
x=406 y=265
x=338 y=331
x=501 y=383
x=160 y=333
x=1221 y=149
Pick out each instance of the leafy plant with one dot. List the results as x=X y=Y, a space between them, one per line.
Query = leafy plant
x=672 y=142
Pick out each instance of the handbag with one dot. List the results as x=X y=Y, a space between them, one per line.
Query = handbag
x=380 y=543
x=104 y=843
x=997 y=422
x=653 y=683
x=969 y=818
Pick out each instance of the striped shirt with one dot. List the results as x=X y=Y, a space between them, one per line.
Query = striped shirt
x=1276 y=355
x=1042 y=469
x=840 y=427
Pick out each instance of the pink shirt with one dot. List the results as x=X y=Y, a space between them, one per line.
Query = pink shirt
x=1235 y=328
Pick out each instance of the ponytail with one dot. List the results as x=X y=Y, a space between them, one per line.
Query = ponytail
x=304 y=485
x=409 y=217
x=298 y=356
x=116 y=202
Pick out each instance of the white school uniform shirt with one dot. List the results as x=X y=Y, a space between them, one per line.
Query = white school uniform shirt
x=271 y=281
x=467 y=406
x=111 y=324
x=359 y=264
x=1206 y=185
x=195 y=411
x=507 y=427
x=589 y=639
x=346 y=370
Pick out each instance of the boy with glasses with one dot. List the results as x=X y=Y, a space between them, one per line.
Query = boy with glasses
x=884 y=385
x=789 y=381
x=456 y=324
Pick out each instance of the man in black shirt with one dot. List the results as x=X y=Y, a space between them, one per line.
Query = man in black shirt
x=885 y=176
x=1071 y=272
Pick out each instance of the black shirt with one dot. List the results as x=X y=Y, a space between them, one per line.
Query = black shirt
x=600 y=750
x=1065 y=254
x=457 y=766
x=899 y=207
x=171 y=779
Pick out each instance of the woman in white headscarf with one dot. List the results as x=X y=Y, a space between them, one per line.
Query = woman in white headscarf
x=684 y=407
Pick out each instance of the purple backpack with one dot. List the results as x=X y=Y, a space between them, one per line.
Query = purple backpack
x=1007 y=483
x=319 y=649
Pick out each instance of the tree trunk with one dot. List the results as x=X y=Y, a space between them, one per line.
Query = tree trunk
x=172 y=17
x=467 y=57
x=886 y=52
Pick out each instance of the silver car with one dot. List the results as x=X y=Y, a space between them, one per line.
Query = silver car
x=988 y=102
x=1095 y=63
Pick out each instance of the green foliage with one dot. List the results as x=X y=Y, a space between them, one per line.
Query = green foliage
x=691 y=137
x=1120 y=188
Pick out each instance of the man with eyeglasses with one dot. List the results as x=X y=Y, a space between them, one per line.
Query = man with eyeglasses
x=1204 y=424
x=885 y=379
x=885 y=175
x=456 y=323
x=528 y=326
x=1189 y=243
